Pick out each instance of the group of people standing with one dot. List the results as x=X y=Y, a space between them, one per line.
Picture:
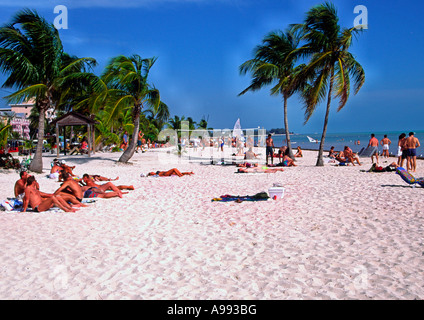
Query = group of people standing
x=407 y=149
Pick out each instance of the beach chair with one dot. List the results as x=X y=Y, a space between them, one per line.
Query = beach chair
x=367 y=152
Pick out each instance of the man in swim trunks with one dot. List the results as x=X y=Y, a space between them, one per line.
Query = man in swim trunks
x=104 y=187
x=21 y=184
x=411 y=143
x=40 y=201
x=70 y=190
x=269 y=148
x=385 y=142
x=374 y=143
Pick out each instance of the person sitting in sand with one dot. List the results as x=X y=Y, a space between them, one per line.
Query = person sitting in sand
x=106 y=186
x=350 y=156
x=298 y=153
x=56 y=170
x=67 y=168
x=332 y=154
x=40 y=201
x=70 y=190
x=21 y=184
x=171 y=172
x=259 y=170
x=340 y=157
x=288 y=162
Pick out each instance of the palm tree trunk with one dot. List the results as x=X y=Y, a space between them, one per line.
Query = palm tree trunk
x=286 y=127
x=129 y=152
x=37 y=162
x=320 y=160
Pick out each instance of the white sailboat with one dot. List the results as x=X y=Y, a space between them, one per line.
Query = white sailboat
x=237 y=132
x=312 y=140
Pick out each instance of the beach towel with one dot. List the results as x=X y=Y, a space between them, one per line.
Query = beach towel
x=261 y=196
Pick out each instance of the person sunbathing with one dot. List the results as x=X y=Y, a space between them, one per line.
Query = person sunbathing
x=40 y=201
x=298 y=153
x=247 y=165
x=56 y=170
x=97 y=177
x=350 y=156
x=259 y=170
x=332 y=154
x=169 y=173
x=288 y=162
x=70 y=190
x=104 y=187
x=21 y=184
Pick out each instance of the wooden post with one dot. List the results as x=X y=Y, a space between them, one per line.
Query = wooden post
x=94 y=139
x=89 y=139
x=64 y=140
x=57 y=139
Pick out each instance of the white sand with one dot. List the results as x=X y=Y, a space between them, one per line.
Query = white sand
x=338 y=233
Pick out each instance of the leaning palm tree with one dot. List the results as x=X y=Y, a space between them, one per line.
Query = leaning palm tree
x=331 y=66
x=275 y=65
x=128 y=86
x=31 y=53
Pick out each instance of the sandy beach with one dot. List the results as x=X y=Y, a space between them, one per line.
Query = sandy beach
x=338 y=233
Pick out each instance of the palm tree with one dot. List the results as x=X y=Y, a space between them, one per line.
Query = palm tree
x=331 y=66
x=175 y=124
x=31 y=53
x=159 y=115
x=274 y=64
x=128 y=86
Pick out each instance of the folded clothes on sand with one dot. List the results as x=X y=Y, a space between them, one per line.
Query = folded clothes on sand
x=261 y=196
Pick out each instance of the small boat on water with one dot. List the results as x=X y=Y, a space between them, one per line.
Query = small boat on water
x=312 y=140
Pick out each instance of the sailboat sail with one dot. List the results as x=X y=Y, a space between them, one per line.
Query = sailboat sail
x=312 y=140
x=237 y=132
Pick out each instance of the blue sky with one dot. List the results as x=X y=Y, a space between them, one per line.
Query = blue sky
x=200 y=45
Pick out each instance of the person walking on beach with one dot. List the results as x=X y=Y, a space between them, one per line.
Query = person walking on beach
x=412 y=143
x=401 y=149
x=269 y=148
x=373 y=143
x=139 y=141
x=125 y=141
x=385 y=142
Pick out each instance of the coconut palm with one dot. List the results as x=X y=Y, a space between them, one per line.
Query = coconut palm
x=274 y=64
x=128 y=86
x=331 y=67
x=31 y=54
x=158 y=115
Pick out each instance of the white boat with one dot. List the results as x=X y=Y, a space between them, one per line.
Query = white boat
x=312 y=140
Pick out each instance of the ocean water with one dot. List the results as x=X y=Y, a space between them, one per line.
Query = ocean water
x=340 y=140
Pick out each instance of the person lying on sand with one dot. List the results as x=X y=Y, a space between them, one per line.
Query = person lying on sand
x=259 y=170
x=40 y=201
x=104 y=187
x=169 y=173
x=247 y=165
